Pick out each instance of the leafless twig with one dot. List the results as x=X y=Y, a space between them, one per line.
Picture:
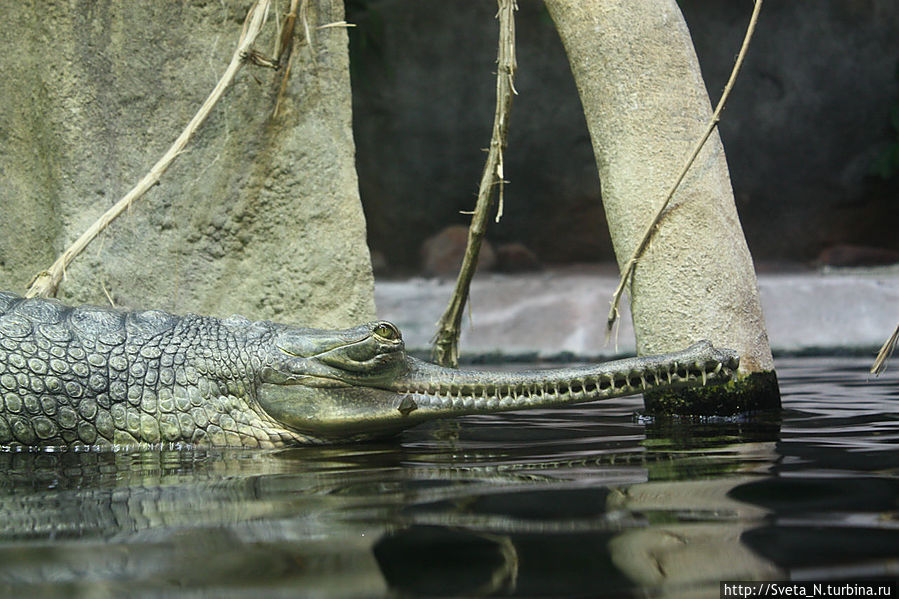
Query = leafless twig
x=285 y=46
x=446 y=340
x=880 y=363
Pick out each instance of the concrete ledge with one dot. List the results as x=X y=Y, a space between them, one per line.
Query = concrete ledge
x=562 y=312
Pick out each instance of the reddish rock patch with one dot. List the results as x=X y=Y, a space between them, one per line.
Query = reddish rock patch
x=441 y=254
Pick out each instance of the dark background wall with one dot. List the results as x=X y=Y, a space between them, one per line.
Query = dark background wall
x=804 y=130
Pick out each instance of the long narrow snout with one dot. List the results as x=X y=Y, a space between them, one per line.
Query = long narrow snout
x=427 y=391
x=420 y=391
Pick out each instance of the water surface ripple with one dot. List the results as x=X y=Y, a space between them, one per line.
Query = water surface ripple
x=586 y=501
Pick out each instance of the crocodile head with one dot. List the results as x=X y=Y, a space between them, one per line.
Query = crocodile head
x=359 y=383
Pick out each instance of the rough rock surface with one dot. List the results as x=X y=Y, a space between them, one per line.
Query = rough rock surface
x=261 y=214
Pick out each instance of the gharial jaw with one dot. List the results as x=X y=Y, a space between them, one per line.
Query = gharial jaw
x=421 y=391
x=441 y=392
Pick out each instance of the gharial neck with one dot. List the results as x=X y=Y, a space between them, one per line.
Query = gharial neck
x=430 y=391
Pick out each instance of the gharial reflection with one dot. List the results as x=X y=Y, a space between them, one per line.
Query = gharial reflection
x=449 y=511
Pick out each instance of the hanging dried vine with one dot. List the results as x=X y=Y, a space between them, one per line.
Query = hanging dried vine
x=446 y=340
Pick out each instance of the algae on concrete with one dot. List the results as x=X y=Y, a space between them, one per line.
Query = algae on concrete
x=260 y=216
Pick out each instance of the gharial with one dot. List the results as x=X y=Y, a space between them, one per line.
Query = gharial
x=100 y=377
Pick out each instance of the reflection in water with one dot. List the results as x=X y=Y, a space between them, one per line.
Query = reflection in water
x=126 y=524
x=587 y=501
x=438 y=561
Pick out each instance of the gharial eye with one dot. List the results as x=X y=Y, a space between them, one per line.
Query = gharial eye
x=386 y=330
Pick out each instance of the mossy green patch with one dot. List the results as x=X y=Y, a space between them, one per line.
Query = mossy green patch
x=749 y=393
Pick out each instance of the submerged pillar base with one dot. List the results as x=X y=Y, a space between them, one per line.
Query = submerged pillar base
x=754 y=392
